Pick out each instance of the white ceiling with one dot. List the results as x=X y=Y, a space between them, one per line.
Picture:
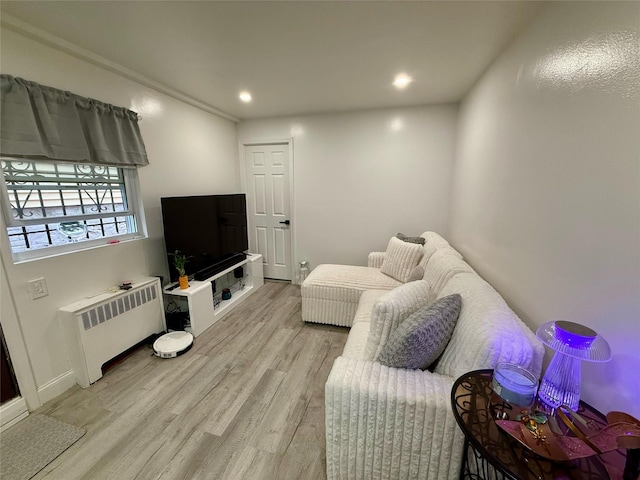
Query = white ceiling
x=294 y=57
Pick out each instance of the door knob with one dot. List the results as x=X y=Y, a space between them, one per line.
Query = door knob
x=286 y=222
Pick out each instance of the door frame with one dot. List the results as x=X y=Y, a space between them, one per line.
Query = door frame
x=29 y=399
x=295 y=276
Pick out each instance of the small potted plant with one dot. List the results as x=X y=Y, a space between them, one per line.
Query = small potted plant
x=179 y=262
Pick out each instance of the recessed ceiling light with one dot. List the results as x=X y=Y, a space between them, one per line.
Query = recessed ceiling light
x=402 y=80
x=245 y=97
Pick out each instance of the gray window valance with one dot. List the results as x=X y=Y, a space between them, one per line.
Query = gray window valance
x=43 y=122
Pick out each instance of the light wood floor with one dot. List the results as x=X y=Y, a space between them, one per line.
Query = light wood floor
x=247 y=402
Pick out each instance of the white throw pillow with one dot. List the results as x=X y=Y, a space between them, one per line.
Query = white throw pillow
x=400 y=259
x=391 y=309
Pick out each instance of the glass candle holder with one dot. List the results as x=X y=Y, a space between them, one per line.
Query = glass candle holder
x=515 y=384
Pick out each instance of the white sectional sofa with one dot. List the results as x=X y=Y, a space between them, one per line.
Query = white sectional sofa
x=393 y=423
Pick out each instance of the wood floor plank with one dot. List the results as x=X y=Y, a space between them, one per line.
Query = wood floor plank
x=238 y=386
x=187 y=461
x=281 y=419
x=227 y=453
x=247 y=462
x=246 y=402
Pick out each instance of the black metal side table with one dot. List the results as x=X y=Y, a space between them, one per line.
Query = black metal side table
x=489 y=453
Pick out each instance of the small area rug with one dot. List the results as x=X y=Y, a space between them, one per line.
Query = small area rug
x=33 y=443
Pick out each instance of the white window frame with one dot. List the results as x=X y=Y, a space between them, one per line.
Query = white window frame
x=134 y=208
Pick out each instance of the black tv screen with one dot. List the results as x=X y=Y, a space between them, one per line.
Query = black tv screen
x=209 y=229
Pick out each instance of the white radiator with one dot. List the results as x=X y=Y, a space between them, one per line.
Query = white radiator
x=100 y=328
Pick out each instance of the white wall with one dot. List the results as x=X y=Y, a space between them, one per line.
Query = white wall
x=190 y=151
x=546 y=200
x=362 y=177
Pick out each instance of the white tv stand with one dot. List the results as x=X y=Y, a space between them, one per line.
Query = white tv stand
x=205 y=309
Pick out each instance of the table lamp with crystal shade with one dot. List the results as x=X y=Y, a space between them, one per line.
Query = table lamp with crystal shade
x=572 y=343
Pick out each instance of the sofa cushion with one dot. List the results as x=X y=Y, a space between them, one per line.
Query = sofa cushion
x=391 y=309
x=352 y=277
x=416 y=274
x=400 y=258
x=434 y=242
x=359 y=333
x=442 y=266
x=422 y=337
x=330 y=294
x=375 y=259
x=487 y=332
x=404 y=238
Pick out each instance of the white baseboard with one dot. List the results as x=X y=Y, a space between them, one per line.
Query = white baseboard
x=12 y=412
x=57 y=386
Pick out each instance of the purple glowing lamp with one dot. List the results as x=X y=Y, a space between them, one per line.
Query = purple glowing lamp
x=572 y=343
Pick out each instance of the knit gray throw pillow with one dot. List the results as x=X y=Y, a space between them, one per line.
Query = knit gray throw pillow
x=404 y=238
x=422 y=337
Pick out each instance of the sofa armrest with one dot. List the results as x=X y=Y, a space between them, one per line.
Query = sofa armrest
x=386 y=422
x=375 y=259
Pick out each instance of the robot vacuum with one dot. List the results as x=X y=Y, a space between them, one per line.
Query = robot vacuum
x=172 y=344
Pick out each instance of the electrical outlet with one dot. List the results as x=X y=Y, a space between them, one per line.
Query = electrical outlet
x=38 y=288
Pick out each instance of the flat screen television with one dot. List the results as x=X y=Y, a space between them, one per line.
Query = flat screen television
x=210 y=229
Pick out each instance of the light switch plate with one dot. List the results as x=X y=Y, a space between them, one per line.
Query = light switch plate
x=38 y=288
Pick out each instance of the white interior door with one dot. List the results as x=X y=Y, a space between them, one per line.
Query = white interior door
x=269 y=207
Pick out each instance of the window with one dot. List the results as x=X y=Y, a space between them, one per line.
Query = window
x=55 y=207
